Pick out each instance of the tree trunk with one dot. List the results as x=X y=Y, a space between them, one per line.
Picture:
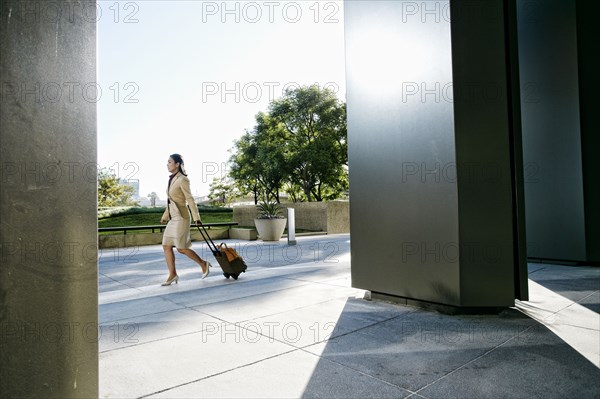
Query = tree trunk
x=307 y=191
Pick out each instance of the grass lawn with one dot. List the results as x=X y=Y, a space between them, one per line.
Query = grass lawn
x=153 y=219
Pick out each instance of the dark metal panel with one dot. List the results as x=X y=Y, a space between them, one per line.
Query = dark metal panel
x=551 y=130
x=521 y=272
x=432 y=127
x=589 y=86
x=403 y=208
x=483 y=111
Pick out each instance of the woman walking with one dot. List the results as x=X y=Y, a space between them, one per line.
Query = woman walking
x=177 y=217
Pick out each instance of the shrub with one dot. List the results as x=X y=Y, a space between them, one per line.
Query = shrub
x=124 y=211
x=269 y=210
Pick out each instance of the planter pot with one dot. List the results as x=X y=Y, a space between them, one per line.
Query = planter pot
x=270 y=229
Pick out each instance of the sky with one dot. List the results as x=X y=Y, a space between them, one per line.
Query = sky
x=188 y=77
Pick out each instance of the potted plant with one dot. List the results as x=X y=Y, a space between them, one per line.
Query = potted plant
x=270 y=221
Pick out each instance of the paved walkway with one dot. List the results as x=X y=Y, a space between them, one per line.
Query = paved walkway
x=293 y=327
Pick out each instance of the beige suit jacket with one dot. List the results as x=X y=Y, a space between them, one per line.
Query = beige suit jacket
x=179 y=192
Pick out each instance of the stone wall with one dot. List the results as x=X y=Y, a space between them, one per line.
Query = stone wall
x=134 y=240
x=338 y=217
x=332 y=217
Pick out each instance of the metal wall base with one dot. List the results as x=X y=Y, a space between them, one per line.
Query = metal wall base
x=436 y=307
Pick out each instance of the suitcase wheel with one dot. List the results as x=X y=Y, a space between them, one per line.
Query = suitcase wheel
x=235 y=276
x=226 y=275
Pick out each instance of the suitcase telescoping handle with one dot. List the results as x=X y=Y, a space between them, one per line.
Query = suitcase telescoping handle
x=214 y=249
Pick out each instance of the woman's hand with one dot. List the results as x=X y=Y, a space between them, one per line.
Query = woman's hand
x=198 y=222
x=163 y=221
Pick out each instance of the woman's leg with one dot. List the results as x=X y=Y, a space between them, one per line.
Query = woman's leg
x=190 y=253
x=170 y=257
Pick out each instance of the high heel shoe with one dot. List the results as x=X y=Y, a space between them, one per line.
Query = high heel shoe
x=208 y=266
x=169 y=282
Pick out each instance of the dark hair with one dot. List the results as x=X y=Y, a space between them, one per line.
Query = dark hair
x=178 y=159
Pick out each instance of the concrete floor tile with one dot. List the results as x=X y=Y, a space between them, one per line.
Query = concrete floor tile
x=152 y=327
x=316 y=323
x=578 y=316
x=575 y=324
x=592 y=302
x=584 y=340
x=126 y=309
x=123 y=293
x=574 y=283
x=106 y=284
x=534 y=267
x=560 y=272
x=269 y=303
x=416 y=349
x=542 y=366
x=226 y=291
x=309 y=272
x=172 y=341
x=345 y=281
x=543 y=302
x=149 y=368
x=416 y=396
x=291 y=375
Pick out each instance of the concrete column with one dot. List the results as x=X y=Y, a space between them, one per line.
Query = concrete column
x=48 y=237
x=433 y=125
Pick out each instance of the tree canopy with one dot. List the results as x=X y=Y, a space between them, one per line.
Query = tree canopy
x=111 y=192
x=222 y=192
x=299 y=145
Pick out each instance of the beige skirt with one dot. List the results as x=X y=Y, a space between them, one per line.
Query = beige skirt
x=177 y=232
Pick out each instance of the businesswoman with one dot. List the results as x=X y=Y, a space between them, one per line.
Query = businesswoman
x=177 y=217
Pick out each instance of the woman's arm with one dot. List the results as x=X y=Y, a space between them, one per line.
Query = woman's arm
x=165 y=216
x=187 y=193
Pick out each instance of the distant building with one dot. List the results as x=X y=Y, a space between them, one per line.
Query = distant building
x=201 y=199
x=135 y=183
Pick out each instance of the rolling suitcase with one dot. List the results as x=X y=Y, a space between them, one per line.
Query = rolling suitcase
x=230 y=261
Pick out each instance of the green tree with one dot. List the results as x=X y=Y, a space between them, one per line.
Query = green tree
x=299 y=146
x=244 y=168
x=258 y=164
x=222 y=192
x=111 y=192
x=294 y=192
x=271 y=156
x=153 y=197
x=314 y=121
